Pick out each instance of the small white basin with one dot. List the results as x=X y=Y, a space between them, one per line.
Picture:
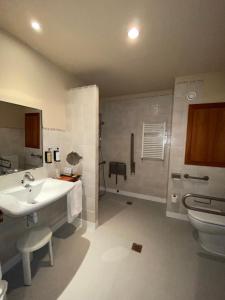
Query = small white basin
x=20 y=201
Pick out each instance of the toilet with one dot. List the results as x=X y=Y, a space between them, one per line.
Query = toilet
x=211 y=230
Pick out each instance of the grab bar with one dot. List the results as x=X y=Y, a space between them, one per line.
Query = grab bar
x=206 y=178
x=132 y=162
x=36 y=155
x=5 y=163
x=186 y=196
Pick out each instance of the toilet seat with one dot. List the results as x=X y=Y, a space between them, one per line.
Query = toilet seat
x=207 y=218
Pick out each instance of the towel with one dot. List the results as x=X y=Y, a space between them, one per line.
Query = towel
x=3 y=289
x=74 y=202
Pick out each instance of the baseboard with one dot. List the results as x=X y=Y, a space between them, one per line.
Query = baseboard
x=17 y=258
x=78 y=223
x=60 y=222
x=176 y=215
x=11 y=263
x=90 y=226
x=135 y=195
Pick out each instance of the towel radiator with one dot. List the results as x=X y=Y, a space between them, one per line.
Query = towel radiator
x=153 y=141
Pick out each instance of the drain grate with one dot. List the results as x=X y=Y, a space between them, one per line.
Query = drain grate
x=136 y=247
x=129 y=203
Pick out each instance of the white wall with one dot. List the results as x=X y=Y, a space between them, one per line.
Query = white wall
x=15 y=111
x=29 y=79
x=210 y=87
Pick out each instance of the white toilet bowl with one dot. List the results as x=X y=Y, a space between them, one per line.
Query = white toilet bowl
x=211 y=230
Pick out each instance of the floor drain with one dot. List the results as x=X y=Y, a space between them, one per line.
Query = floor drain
x=129 y=203
x=136 y=247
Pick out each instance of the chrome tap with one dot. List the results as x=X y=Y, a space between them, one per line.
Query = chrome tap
x=27 y=176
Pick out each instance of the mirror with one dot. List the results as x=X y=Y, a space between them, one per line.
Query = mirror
x=20 y=138
x=73 y=158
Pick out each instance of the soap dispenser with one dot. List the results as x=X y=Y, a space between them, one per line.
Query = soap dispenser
x=48 y=156
x=57 y=155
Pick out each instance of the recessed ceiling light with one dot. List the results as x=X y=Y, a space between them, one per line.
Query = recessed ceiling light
x=36 y=26
x=133 y=33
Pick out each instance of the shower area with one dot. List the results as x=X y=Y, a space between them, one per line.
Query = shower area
x=134 y=144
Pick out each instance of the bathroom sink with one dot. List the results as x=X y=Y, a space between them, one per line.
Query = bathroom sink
x=21 y=201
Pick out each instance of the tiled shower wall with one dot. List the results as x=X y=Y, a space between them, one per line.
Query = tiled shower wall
x=209 y=88
x=83 y=124
x=121 y=118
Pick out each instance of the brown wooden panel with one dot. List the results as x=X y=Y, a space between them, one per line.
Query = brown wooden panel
x=218 y=149
x=32 y=130
x=205 y=143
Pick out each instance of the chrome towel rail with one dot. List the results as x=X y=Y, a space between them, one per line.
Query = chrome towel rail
x=206 y=210
x=187 y=176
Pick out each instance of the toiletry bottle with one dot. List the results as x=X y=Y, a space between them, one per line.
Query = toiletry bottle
x=48 y=156
x=56 y=155
x=57 y=173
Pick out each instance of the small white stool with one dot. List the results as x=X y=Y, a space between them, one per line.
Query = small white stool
x=34 y=239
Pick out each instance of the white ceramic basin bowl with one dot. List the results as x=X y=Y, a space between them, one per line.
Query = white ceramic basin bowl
x=20 y=201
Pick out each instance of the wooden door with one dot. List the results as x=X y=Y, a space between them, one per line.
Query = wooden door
x=205 y=143
x=32 y=130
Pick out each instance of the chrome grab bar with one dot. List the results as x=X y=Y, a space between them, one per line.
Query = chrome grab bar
x=36 y=155
x=5 y=163
x=187 y=176
x=186 y=196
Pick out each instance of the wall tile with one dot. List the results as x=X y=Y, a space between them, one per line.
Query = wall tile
x=123 y=117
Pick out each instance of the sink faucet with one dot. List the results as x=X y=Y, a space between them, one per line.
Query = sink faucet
x=27 y=176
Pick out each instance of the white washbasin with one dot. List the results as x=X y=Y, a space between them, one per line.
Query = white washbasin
x=20 y=201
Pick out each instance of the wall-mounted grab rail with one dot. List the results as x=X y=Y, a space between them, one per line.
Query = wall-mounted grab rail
x=206 y=210
x=5 y=163
x=132 y=162
x=36 y=155
x=187 y=176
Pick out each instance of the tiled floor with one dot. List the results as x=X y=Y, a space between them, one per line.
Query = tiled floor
x=102 y=266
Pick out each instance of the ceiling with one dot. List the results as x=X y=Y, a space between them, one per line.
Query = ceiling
x=89 y=38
